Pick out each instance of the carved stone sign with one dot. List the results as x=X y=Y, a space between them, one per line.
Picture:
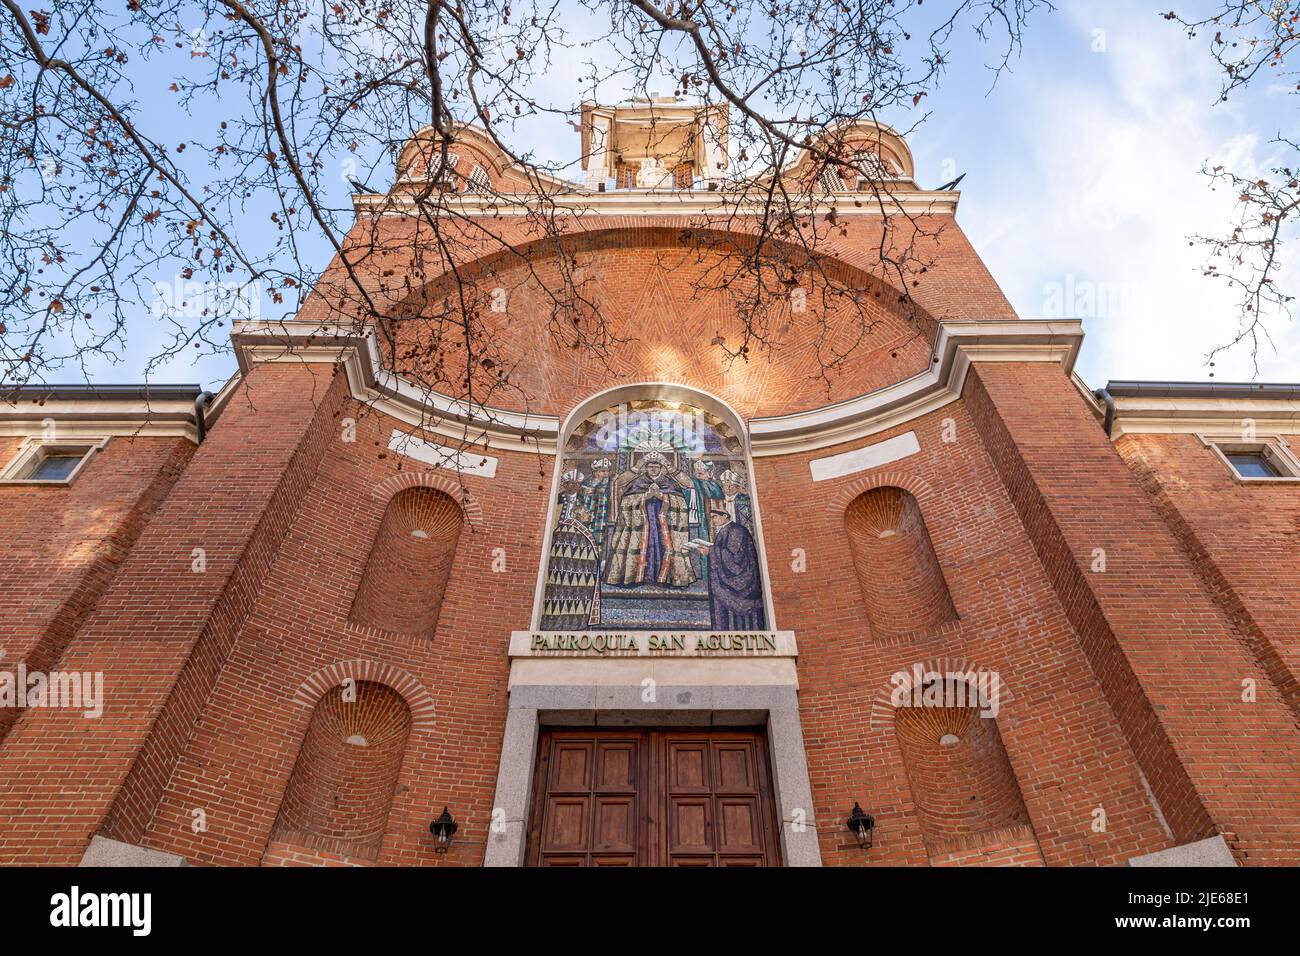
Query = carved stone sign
x=652 y=644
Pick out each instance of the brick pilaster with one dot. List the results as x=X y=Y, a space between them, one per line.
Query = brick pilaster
x=1168 y=659
x=160 y=633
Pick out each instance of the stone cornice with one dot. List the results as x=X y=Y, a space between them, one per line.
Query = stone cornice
x=625 y=202
x=1156 y=415
x=385 y=390
x=90 y=412
x=958 y=344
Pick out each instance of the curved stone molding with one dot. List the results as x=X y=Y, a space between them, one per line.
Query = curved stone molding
x=958 y=344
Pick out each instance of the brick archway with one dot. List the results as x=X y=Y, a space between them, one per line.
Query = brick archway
x=417 y=697
x=882 y=707
x=386 y=489
x=919 y=488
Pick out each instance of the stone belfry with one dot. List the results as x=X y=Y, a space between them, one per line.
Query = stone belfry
x=654 y=142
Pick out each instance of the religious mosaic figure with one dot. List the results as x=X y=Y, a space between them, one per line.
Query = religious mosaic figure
x=706 y=496
x=573 y=572
x=735 y=581
x=652 y=530
x=736 y=498
x=594 y=499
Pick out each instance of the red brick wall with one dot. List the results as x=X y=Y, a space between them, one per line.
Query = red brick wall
x=1242 y=538
x=1013 y=846
x=1063 y=742
x=665 y=292
x=63 y=544
x=1165 y=654
x=159 y=633
x=239 y=759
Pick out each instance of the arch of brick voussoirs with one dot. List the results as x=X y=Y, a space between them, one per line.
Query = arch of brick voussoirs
x=882 y=708
x=415 y=694
x=389 y=487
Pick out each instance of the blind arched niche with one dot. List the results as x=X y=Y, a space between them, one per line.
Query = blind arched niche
x=343 y=781
x=409 y=564
x=903 y=588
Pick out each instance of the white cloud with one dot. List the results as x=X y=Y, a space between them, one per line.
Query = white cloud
x=1113 y=167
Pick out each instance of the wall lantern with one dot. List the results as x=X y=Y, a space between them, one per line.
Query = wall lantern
x=862 y=825
x=443 y=829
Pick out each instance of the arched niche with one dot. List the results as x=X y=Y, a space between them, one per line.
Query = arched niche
x=961 y=778
x=409 y=563
x=345 y=775
x=903 y=587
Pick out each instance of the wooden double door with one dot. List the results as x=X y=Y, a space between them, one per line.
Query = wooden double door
x=653 y=798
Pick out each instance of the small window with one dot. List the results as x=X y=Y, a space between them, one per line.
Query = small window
x=1264 y=459
x=55 y=467
x=56 y=463
x=1253 y=465
x=479 y=181
x=832 y=181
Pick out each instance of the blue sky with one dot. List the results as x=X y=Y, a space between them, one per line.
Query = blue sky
x=1083 y=181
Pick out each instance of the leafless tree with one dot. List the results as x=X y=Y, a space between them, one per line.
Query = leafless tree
x=210 y=140
x=1254 y=39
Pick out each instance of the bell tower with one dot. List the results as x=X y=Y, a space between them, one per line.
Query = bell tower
x=654 y=143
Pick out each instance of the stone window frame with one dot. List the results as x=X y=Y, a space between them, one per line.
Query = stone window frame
x=1273 y=448
x=33 y=450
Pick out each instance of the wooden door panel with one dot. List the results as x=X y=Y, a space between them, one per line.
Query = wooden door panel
x=737 y=767
x=566 y=823
x=653 y=798
x=616 y=766
x=688 y=766
x=616 y=824
x=739 y=825
x=690 y=825
x=571 y=767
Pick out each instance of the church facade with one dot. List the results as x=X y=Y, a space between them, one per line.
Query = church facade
x=655 y=599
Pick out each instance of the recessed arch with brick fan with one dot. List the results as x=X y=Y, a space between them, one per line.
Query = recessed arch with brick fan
x=903 y=587
x=409 y=564
x=344 y=777
x=961 y=778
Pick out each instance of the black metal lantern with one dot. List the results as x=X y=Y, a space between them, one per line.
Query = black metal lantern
x=863 y=825
x=443 y=829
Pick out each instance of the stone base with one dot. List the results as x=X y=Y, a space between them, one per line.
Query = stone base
x=105 y=852
x=1209 y=852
